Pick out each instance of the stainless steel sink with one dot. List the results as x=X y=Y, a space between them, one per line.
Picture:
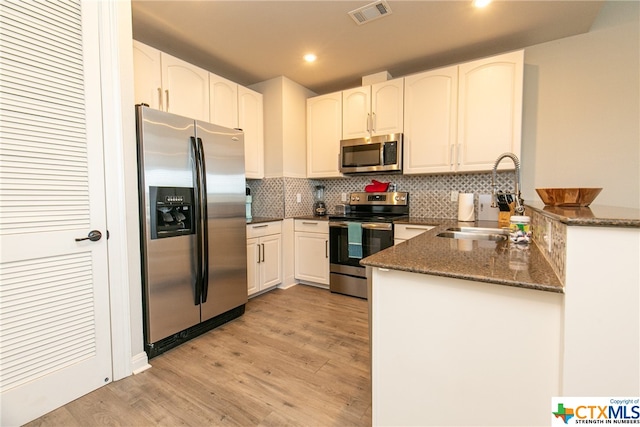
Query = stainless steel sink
x=476 y=233
x=480 y=230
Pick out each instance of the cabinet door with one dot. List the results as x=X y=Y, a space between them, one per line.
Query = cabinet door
x=250 y=120
x=223 y=101
x=253 y=265
x=356 y=112
x=271 y=261
x=387 y=109
x=186 y=88
x=324 y=131
x=312 y=257
x=147 y=78
x=489 y=110
x=430 y=107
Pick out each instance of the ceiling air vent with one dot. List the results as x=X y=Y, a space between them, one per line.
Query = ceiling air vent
x=372 y=11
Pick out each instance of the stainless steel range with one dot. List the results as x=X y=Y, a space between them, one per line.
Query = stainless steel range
x=366 y=229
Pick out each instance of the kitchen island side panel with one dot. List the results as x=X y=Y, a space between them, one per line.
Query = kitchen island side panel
x=451 y=352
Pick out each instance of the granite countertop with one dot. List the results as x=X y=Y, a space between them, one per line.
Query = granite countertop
x=502 y=263
x=259 y=219
x=594 y=216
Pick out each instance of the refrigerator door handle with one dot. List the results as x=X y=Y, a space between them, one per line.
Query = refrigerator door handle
x=198 y=220
x=204 y=260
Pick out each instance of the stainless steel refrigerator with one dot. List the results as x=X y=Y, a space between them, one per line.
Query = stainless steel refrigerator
x=192 y=218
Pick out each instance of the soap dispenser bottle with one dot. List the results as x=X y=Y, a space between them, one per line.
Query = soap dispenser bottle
x=248 y=204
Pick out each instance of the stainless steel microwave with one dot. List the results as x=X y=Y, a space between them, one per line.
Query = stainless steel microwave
x=371 y=155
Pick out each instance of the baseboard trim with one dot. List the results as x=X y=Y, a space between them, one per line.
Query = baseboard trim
x=140 y=363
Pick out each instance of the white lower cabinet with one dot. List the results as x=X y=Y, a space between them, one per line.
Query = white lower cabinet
x=264 y=259
x=312 y=251
x=402 y=232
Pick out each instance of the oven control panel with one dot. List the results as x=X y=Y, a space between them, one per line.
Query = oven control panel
x=380 y=199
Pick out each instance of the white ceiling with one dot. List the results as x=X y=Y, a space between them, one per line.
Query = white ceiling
x=253 y=41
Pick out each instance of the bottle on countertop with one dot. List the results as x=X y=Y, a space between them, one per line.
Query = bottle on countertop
x=248 y=203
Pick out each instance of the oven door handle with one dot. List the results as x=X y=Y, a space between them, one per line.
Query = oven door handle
x=365 y=225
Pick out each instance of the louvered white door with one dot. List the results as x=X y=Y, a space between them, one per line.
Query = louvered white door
x=54 y=303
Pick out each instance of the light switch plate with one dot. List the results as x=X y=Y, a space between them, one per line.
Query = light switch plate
x=485 y=211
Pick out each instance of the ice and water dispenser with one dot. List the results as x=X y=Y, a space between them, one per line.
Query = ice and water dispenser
x=174 y=211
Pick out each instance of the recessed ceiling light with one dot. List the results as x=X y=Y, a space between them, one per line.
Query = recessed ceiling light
x=310 y=57
x=481 y=3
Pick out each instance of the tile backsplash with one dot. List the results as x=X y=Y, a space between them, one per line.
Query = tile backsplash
x=430 y=195
x=550 y=236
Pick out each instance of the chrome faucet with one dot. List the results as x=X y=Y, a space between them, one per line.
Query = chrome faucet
x=519 y=209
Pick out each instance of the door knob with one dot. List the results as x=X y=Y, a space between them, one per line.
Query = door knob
x=94 y=236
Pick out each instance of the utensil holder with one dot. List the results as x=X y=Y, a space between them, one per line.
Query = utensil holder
x=504 y=217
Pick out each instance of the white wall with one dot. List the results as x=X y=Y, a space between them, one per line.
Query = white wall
x=581 y=110
x=285 y=138
x=122 y=190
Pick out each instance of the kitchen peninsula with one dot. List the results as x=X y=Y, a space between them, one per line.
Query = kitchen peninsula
x=472 y=332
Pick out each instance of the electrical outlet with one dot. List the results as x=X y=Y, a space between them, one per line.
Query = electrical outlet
x=298 y=198
x=454 y=196
x=343 y=197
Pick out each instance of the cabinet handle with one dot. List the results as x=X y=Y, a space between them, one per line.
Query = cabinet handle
x=373 y=122
x=260 y=226
x=326 y=249
x=258 y=245
x=309 y=223
x=262 y=252
x=459 y=156
x=451 y=155
x=416 y=228
x=161 y=107
x=368 y=122
x=166 y=92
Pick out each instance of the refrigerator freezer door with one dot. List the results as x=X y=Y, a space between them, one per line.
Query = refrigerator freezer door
x=164 y=155
x=225 y=183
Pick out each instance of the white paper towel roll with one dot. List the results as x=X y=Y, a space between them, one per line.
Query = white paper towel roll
x=465 y=207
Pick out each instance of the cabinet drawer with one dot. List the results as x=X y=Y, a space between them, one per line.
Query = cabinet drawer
x=312 y=225
x=264 y=229
x=407 y=231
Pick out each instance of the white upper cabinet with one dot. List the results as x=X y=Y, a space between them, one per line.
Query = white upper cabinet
x=186 y=88
x=373 y=110
x=223 y=101
x=430 y=108
x=147 y=76
x=461 y=118
x=489 y=111
x=169 y=84
x=251 y=121
x=324 y=131
x=236 y=106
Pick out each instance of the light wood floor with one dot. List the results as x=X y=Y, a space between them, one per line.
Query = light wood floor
x=297 y=357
